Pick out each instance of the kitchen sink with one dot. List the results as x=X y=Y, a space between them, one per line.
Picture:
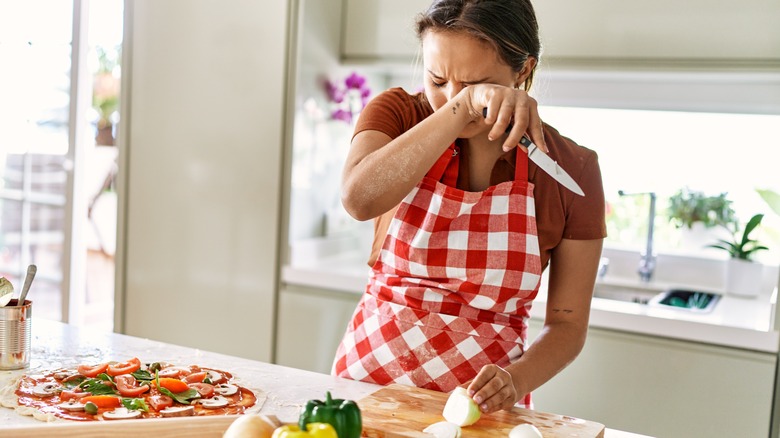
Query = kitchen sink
x=675 y=298
x=692 y=300
x=629 y=294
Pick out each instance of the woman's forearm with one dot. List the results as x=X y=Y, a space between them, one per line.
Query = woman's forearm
x=379 y=174
x=556 y=347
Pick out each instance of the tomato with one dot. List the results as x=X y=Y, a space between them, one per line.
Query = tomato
x=173 y=372
x=103 y=401
x=92 y=370
x=160 y=402
x=173 y=385
x=205 y=390
x=76 y=394
x=195 y=377
x=126 y=385
x=128 y=367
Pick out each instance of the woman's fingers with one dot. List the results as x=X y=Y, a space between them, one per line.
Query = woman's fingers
x=493 y=389
x=509 y=111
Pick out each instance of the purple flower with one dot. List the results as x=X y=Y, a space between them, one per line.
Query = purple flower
x=334 y=93
x=355 y=81
x=342 y=115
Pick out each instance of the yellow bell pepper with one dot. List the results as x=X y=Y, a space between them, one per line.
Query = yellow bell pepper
x=313 y=430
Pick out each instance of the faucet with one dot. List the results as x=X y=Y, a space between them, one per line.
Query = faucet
x=647 y=259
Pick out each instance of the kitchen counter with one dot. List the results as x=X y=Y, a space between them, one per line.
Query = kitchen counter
x=736 y=322
x=57 y=345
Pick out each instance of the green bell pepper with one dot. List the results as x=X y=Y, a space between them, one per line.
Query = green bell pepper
x=343 y=415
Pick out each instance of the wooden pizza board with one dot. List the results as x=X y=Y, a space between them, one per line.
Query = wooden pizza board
x=211 y=426
x=398 y=411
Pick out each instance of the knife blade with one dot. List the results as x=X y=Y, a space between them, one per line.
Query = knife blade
x=546 y=163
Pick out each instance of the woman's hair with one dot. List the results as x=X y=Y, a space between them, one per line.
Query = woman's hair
x=508 y=25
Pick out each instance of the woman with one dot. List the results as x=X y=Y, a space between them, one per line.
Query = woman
x=464 y=223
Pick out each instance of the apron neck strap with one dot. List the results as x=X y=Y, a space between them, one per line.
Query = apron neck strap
x=445 y=169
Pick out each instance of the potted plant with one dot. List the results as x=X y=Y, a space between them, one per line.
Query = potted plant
x=697 y=215
x=743 y=275
x=105 y=95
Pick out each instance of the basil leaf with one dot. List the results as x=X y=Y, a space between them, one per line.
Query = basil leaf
x=135 y=404
x=143 y=375
x=181 y=397
x=105 y=377
x=97 y=387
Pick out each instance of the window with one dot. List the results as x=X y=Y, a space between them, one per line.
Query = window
x=665 y=151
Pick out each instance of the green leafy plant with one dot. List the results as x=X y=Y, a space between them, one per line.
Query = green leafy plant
x=687 y=207
x=741 y=246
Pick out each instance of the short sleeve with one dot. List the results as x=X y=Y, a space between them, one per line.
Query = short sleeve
x=585 y=218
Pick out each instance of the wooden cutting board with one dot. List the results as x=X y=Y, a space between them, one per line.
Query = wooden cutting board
x=404 y=411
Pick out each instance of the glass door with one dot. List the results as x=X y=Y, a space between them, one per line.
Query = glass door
x=58 y=115
x=35 y=46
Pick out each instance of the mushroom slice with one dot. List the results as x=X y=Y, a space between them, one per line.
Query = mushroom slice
x=215 y=402
x=214 y=376
x=178 y=411
x=71 y=405
x=175 y=372
x=65 y=374
x=121 y=414
x=225 y=389
x=46 y=389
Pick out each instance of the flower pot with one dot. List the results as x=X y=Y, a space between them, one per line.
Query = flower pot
x=743 y=278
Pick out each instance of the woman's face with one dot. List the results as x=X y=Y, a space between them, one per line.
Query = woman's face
x=455 y=60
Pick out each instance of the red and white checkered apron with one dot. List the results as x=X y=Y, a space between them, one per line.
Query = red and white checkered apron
x=452 y=286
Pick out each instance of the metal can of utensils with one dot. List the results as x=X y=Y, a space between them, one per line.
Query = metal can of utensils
x=15 y=334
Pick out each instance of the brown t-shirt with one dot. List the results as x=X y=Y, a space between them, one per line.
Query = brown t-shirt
x=560 y=214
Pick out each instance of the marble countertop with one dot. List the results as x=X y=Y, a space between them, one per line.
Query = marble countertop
x=737 y=322
x=58 y=345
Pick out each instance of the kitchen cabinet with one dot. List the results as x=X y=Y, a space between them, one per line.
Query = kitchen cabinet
x=663 y=387
x=311 y=324
x=200 y=168
x=690 y=32
x=602 y=32
x=380 y=29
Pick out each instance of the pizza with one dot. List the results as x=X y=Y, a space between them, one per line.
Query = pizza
x=127 y=390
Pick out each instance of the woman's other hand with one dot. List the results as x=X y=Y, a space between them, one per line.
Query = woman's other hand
x=493 y=389
x=507 y=106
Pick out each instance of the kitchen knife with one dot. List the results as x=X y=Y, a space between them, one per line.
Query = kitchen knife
x=546 y=163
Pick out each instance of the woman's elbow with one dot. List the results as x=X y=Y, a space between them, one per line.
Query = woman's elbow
x=356 y=205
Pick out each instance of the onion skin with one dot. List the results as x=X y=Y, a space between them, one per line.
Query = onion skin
x=250 y=426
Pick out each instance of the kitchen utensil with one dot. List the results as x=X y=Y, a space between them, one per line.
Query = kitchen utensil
x=404 y=411
x=6 y=291
x=15 y=334
x=546 y=163
x=31 y=270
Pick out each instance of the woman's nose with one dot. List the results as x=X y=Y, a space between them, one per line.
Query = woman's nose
x=453 y=90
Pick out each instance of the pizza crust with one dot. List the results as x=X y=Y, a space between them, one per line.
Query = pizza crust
x=8 y=399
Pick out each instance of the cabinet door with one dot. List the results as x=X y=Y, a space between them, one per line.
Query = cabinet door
x=381 y=28
x=662 y=387
x=693 y=30
x=310 y=326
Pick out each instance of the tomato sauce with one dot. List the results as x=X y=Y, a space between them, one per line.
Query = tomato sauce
x=242 y=400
